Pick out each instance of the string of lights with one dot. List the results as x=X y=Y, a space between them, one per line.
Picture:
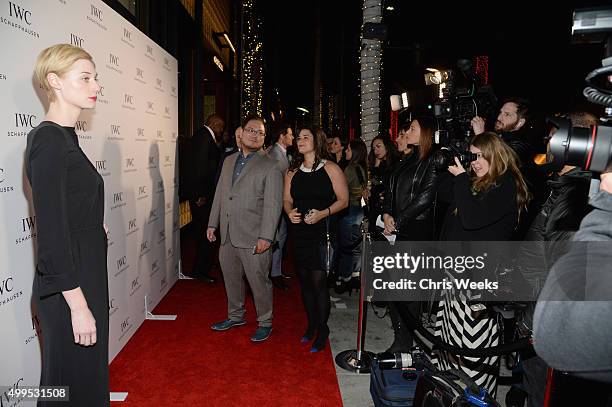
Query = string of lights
x=252 y=62
x=370 y=61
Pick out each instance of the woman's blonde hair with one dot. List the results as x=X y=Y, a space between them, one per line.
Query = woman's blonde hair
x=57 y=59
x=501 y=159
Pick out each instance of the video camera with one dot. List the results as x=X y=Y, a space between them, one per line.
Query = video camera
x=460 y=99
x=589 y=148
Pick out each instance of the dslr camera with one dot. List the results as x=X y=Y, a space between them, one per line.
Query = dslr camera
x=589 y=148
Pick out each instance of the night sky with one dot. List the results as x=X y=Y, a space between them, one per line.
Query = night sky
x=529 y=50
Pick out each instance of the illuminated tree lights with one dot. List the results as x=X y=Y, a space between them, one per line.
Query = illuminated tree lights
x=252 y=62
x=370 y=61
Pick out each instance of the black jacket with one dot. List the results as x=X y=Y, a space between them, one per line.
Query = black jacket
x=519 y=142
x=411 y=191
x=490 y=215
x=557 y=221
x=202 y=161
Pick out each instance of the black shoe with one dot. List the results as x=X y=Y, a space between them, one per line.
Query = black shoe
x=204 y=278
x=321 y=340
x=279 y=283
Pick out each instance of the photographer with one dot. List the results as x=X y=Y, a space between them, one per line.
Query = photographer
x=574 y=335
x=486 y=206
x=407 y=209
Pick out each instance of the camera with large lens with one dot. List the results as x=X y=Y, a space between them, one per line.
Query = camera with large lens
x=445 y=156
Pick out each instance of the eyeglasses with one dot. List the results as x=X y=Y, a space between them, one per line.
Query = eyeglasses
x=249 y=130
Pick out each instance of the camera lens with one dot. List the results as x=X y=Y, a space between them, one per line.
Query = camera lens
x=587 y=148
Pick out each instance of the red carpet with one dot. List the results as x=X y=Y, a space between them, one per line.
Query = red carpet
x=185 y=363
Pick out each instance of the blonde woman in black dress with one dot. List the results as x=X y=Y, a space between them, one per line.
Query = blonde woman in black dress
x=70 y=285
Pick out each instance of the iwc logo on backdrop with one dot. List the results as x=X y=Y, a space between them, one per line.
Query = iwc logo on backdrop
x=145 y=248
x=124 y=327
x=159 y=85
x=18 y=18
x=140 y=76
x=135 y=285
x=22 y=123
x=143 y=192
x=128 y=102
x=160 y=186
x=159 y=136
x=154 y=268
x=167 y=161
x=11 y=388
x=149 y=52
x=173 y=137
x=150 y=108
x=161 y=236
x=153 y=215
x=102 y=167
x=126 y=38
x=152 y=162
x=173 y=91
x=169 y=253
x=129 y=165
x=9 y=291
x=4 y=185
x=112 y=307
x=140 y=134
x=77 y=40
x=168 y=207
x=96 y=16
x=118 y=201
x=36 y=330
x=27 y=230
x=122 y=265
x=132 y=227
x=115 y=132
x=2 y=76
x=167 y=64
x=167 y=113
x=81 y=128
x=113 y=63
x=101 y=96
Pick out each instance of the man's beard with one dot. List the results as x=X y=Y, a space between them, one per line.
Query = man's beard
x=500 y=128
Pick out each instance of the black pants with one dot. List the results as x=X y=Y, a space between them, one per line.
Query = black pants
x=204 y=248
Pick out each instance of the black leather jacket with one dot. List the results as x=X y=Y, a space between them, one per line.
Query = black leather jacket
x=411 y=190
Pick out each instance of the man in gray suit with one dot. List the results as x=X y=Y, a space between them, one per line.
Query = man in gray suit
x=283 y=138
x=246 y=209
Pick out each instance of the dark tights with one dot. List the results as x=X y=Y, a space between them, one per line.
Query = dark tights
x=315 y=296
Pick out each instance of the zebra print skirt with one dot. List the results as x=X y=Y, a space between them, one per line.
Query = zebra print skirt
x=457 y=324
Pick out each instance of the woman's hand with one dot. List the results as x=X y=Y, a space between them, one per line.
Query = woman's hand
x=314 y=216
x=457 y=168
x=295 y=216
x=83 y=327
x=389 y=224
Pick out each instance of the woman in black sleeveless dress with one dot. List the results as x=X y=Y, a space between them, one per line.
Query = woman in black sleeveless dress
x=70 y=285
x=315 y=189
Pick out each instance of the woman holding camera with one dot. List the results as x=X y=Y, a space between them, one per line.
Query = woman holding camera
x=488 y=200
x=408 y=209
x=315 y=189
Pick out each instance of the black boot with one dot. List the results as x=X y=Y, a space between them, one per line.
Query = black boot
x=402 y=340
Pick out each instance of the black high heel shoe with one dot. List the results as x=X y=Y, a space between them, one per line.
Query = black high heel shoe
x=321 y=340
x=308 y=335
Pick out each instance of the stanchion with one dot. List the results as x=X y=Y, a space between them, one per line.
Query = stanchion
x=359 y=360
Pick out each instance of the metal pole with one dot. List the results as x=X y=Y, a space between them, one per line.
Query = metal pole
x=359 y=360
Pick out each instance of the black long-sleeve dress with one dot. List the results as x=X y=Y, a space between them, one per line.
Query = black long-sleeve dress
x=68 y=195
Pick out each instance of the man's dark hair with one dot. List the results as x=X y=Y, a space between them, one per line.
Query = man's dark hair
x=279 y=129
x=253 y=117
x=522 y=106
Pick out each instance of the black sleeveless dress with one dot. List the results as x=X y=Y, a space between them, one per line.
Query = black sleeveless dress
x=68 y=195
x=310 y=190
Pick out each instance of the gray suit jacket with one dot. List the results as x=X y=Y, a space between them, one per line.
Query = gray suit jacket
x=250 y=209
x=278 y=154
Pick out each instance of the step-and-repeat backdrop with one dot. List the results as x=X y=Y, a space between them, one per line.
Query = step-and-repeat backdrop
x=131 y=139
